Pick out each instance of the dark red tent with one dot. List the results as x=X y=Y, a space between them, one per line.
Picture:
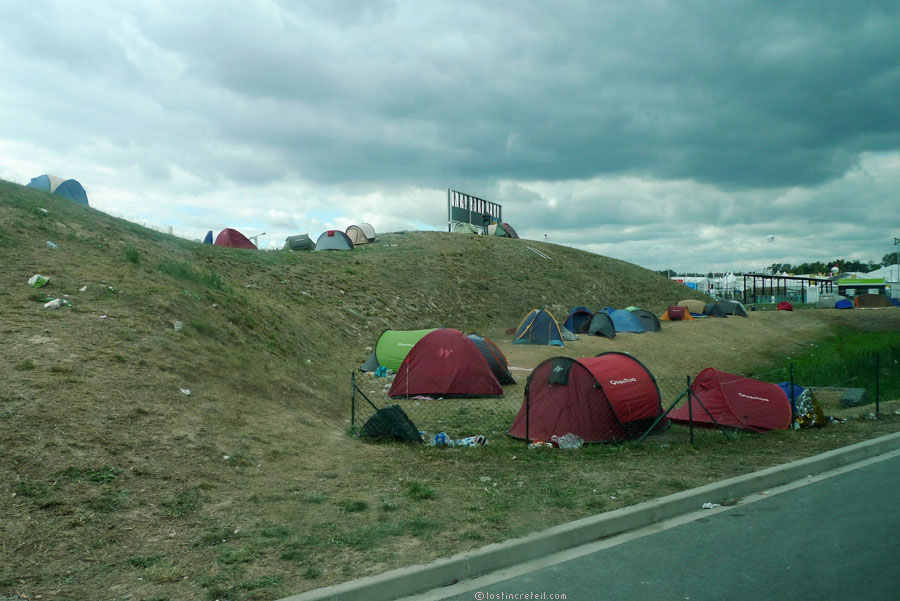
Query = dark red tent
x=784 y=306
x=234 y=239
x=735 y=401
x=605 y=398
x=445 y=363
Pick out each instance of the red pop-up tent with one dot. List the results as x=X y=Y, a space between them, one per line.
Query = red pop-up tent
x=605 y=398
x=736 y=401
x=234 y=239
x=445 y=363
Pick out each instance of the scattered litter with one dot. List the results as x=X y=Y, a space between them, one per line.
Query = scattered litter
x=309 y=361
x=568 y=441
x=43 y=210
x=185 y=391
x=38 y=280
x=729 y=502
x=896 y=411
x=56 y=303
x=52 y=244
x=423 y=398
x=381 y=372
x=178 y=325
x=226 y=457
x=305 y=292
x=539 y=444
x=111 y=289
x=710 y=505
x=104 y=316
x=83 y=288
x=485 y=479
x=871 y=417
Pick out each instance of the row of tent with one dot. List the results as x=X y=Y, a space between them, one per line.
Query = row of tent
x=614 y=397
x=503 y=230
x=539 y=326
x=328 y=240
x=440 y=362
x=693 y=308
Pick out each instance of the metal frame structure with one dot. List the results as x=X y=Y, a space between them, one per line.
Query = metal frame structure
x=465 y=208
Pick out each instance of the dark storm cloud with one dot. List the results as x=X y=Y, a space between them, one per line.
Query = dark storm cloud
x=645 y=125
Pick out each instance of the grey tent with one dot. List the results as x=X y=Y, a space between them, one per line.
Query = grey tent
x=299 y=242
x=368 y=230
x=602 y=325
x=334 y=240
x=648 y=320
x=731 y=307
x=714 y=310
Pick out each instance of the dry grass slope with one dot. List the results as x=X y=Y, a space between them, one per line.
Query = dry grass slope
x=116 y=483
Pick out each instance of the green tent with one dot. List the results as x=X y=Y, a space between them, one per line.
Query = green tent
x=392 y=348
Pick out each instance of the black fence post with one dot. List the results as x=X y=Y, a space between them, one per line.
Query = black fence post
x=352 y=398
x=877 y=381
x=793 y=400
x=690 y=409
x=527 y=416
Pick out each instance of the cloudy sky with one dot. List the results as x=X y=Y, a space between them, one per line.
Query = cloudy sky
x=682 y=134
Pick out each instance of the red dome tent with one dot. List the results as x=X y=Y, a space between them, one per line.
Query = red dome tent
x=606 y=398
x=736 y=401
x=445 y=363
x=234 y=239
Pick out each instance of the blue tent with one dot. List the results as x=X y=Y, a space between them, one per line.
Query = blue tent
x=626 y=321
x=209 y=238
x=538 y=327
x=67 y=188
x=843 y=304
x=579 y=319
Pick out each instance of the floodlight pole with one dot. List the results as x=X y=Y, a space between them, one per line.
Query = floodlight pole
x=897 y=253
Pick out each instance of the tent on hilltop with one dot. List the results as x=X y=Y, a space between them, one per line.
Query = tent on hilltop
x=67 y=188
x=334 y=240
x=607 y=398
x=602 y=325
x=299 y=242
x=578 y=320
x=208 y=239
x=392 y=347
x=445 y=363
x=504 y=230
x=676 y=313
x=368 y=230
x=357 y=235
x=697 y=307
x=538 y=327
x=736 y=401
x=234 y=239
x=494 y=357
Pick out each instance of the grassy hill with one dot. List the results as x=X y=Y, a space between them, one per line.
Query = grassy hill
x=117 y=482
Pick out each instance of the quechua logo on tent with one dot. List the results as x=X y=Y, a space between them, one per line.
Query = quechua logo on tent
x=444 y=353
x=753 y=398
x=623 y=381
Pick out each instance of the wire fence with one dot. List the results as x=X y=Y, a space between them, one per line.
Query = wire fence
x=819 y=395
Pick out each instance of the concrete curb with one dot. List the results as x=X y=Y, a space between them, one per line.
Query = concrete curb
x=404 y=582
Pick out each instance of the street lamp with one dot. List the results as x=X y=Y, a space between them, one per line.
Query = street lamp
x=897 y=244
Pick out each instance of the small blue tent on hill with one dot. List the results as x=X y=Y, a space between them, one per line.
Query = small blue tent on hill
x=67 y=188
x=578 y=320
x=538 y=327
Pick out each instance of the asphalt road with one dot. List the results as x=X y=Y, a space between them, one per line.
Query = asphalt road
x=836 y=538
